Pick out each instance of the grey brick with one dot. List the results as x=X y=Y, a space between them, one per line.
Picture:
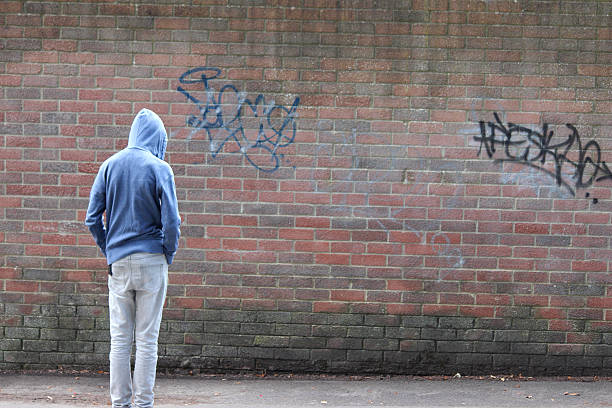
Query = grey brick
x=587 y=290
x=475 y=359
x=183 y=350
x=41 y=129
x=364 y=355
x=218 y=351
x=10 y=344
x=273 y=317
x=344 y=343
x=75 y=323
x=346 y=319
x=475 y=334
x=257 y=328
x=403 y=332
x=221 y=327
x=308 y=342
x=75 y=347
x=510 y=360
x=28 y=357
x=59 y=117
x=529 y=348
x=329 y=331
x=76 y=299
x=491 y=347
x=365 y=332
x=271 y=341
x=512 y=335
x=309 y=318
x=21 y=333
x=293 y=330
x=255 y=352
x=328 y=354
x=456 y=323
x=438 y=334
x=171 y=338
x=419 y=321
x=417 y=345
x=546 y=337
x=16 y=309
x=455 y=346
x=598 y=350
x=135 y=22
x=41 y=274
x=547 y=361
x=57 y=310
x=39 y=345
x=530 y=324
x=381 y=344
x=40 y=321
x=230 y=339
x=101 y=348
x=58 y=334
x=381 y=320
x=185 y=327
x=91 y=359
x=89 y=335
x=57 y=358
x=585 y=361
x=292 y=354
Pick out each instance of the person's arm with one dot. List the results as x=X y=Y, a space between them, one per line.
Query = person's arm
x=97 y=206
x=170 y=218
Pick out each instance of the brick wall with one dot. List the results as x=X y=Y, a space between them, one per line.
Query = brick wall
x=365 y=186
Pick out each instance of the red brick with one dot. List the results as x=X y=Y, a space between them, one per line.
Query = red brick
x=403 y=309
x=440 y=310
x=21 y=286
x=332 y=259
x=169 y=23
x=187 y=303
x=348 y=295
x=330 y=307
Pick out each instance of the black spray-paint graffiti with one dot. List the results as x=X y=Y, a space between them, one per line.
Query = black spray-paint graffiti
x=576 y=166
x=259 y=129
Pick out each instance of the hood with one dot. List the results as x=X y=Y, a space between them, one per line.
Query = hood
x=148 y=133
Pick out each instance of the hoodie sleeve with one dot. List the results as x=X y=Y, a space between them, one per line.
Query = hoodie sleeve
x=97 y=206
x=170 y=218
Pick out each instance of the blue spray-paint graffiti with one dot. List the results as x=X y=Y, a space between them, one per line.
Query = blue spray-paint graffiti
x=259 y=129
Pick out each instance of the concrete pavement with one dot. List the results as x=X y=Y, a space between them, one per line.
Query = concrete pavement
x=216 y=391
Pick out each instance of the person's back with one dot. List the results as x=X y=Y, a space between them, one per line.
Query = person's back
x=135 y=188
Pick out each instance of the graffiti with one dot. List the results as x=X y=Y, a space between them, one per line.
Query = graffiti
x=572 y=164
x=259 y=129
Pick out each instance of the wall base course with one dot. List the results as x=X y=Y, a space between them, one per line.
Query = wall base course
x=414 y=353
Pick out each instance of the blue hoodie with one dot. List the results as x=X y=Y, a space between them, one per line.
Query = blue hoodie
x=136 y=189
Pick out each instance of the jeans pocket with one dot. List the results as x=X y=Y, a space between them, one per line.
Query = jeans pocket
x=151 y=276
x=117 y=281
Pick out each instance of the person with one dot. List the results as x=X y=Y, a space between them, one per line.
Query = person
x=136 y=189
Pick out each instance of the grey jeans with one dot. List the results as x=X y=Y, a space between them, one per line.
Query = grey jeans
x=136 y=295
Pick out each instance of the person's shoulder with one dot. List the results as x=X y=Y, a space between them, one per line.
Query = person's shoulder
x=116 y=156
x=164 y=166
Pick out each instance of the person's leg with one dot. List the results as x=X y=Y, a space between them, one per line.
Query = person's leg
x=122 y=311
x=150 y=297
